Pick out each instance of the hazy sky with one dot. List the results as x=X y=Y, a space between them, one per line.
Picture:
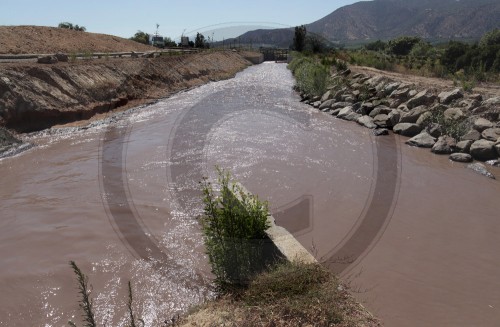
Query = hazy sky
x=125 y=17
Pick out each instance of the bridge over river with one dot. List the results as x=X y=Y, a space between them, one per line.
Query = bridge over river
x=121 y=198
x=275 y=54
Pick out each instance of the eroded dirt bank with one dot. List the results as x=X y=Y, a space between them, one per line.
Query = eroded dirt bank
x=46 y=39
x=37 y=96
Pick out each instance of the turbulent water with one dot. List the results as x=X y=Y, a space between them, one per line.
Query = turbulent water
x=415 y=234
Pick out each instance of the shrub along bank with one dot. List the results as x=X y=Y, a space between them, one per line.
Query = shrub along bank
x=463 y=62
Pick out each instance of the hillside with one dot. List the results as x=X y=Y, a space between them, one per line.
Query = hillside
x=281 y=37
x=41 y=39
x=387 y=19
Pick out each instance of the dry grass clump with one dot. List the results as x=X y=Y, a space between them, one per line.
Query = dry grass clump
x=290 y=294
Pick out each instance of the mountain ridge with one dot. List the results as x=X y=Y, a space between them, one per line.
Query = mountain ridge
x=366 y=21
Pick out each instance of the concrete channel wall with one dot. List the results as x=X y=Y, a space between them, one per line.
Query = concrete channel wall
x=284 y=241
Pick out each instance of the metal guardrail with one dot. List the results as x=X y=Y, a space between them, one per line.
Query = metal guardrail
x=96 y=54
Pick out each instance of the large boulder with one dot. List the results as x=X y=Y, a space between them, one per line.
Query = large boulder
x=338 y=94
x=491 y=134
x=400 y=93
x=422 y=140
x=380 y=132
x=472 y=135
x=464 y=146
x=366 y=121
x=469 y=104
x=448 y=97
x=340 y=105
x=381 y=120
x=327 y=96
x=352 y=116
x=413 y=115
x=424 y=118
x=461 y=157
x=326 y=104
x=481 y=124
x=366 y=108
x=394 y=117
x=380 y=110
x=444 y=145
x=483 y=150
x=407 y=129
x=344 y=112
x=388 y=89
x=492 y=102
x=348 y=114
x=481 y=169
x=494 y=163
x=335 y=112
x=347 y=98
x=479 y=110
x=376 y=80
x=394 y=103
x=434 y=129
x=476 y=97
x=422 y=98
x=453 y=114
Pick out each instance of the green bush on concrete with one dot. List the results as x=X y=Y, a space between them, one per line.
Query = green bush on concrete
x=234 y=225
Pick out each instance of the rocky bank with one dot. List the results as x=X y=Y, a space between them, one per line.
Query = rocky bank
x=464 y=126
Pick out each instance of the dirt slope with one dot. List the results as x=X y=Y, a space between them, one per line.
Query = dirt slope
x=41 y=39
x=36 y=96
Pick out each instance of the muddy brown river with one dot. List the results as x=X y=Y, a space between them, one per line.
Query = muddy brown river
x=415 y=234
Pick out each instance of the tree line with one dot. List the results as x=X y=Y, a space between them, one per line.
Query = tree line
x=482 y=56
x=200 y=41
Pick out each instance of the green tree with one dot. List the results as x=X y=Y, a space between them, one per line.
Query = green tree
x=423 y=49
x=376 y=46
x=200 y=42
x=140 y=37
x=79 y=28
x=169 y=42
x=299 y=39
x=496 y=63
x=452 y=54
x=490 y=38
x=402 y=46
x=66 y=25
x=315 y=44
x=70 y=26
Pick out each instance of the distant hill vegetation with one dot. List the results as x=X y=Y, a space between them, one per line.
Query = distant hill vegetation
x=386 y=19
